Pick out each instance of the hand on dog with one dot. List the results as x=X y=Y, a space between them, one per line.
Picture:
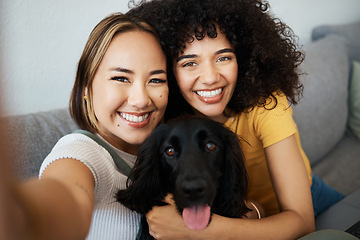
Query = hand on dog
x=165 y=222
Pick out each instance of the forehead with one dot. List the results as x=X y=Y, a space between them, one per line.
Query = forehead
x=132 y=40
x=208 y=43
x=134 y=49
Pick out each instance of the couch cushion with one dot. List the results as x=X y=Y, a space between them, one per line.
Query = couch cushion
x=32 y=136
x=340 y=168
x=321 y=115
x=351 y=32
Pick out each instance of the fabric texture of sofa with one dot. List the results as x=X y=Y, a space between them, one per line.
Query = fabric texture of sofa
x=327 y=119
x=327 y=116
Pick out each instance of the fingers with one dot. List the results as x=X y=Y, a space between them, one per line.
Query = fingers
x=159 y=219
x=153 y=234
x=169 y=199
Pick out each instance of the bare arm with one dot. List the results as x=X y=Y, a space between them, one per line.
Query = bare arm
x=60 y=205
x=292 y=188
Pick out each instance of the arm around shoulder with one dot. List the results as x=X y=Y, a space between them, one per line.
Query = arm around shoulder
x=292 y=187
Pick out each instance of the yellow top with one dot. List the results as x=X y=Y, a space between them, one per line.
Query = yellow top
x=261 y=128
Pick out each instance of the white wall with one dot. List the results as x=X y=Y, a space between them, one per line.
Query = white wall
x=42 y=40
x=41 y=43
x=303 y=15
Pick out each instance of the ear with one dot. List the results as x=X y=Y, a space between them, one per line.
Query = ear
x=146 y=186
x=232 y=188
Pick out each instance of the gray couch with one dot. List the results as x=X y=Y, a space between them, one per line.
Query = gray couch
x=322 y=114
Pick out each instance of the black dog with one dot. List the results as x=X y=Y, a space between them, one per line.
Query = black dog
x=200 y=162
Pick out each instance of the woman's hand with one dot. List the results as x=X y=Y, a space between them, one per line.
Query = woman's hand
x=166 y=223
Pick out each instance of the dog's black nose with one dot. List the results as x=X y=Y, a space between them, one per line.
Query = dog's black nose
x=194 y=188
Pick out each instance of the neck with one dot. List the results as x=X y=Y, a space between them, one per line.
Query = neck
x=121 y=145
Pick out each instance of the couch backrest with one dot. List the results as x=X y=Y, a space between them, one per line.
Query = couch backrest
x=322 y=113
x=351 y=32
x=32 y=136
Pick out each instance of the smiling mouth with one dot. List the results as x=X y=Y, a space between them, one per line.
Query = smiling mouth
x=209 y=94
x=135 y=118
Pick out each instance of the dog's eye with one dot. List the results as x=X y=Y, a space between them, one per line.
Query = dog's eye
x=170 y=151
x=210 y=146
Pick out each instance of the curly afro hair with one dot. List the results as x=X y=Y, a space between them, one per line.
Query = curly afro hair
x=265 y=47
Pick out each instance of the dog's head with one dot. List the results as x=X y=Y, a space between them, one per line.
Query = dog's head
x=197 y=160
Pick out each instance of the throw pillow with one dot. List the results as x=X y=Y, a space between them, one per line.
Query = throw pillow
x=321 y=115
x=354 y=104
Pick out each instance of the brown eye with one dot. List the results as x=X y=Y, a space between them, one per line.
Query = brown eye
x=210 y=146
x=170 y=151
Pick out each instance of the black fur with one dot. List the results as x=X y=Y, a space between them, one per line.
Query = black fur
x=206 y=167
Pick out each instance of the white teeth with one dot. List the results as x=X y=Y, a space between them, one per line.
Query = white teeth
x=133 y=118
x=212 y=93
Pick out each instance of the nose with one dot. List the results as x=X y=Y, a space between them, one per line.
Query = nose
x=209 y=74
x=193 y=189
x=138 y=96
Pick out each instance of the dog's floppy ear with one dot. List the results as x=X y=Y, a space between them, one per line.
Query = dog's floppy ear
x=233 y=184
x=146 y=186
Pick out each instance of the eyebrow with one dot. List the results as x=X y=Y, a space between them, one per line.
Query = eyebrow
x=186 y=56
x=120 y=69
x=225 y=50
x=157 y=72
x=125 y=70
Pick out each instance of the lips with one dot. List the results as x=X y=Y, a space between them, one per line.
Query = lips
x=210 y=96
x=137 y=120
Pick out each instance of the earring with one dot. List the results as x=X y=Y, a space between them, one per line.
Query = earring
x=85 y=98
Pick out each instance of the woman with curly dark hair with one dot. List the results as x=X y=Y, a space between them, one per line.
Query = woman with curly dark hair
x=231 y=61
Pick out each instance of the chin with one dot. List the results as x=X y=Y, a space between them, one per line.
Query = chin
x=213 y=114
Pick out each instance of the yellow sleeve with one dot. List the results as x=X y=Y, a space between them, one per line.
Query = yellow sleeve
x=272 y=125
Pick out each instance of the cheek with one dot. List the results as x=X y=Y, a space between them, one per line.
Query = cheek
x=107 y=102
x=185 y=84
x=232 y=75
x=185 y=79
x=160 y=98
x=111 y=97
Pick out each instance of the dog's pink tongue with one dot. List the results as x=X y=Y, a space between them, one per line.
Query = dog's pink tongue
x=197 y=217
